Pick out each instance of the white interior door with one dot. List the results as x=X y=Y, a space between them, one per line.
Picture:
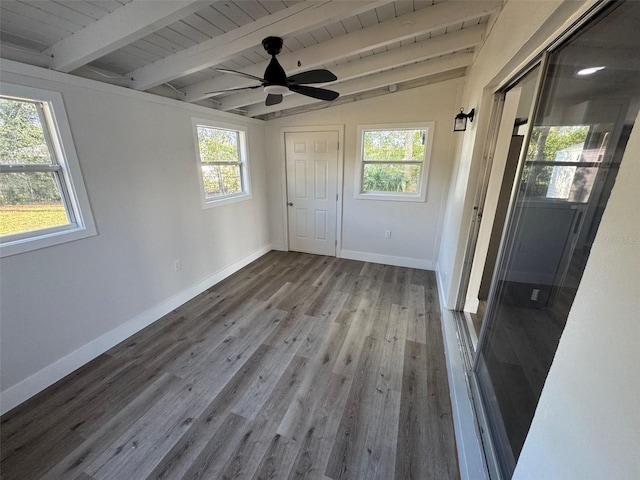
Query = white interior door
x=312 y=178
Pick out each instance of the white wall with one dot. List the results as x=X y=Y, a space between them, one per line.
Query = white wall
x=63 y=305
x=415 y=226
x=587 y=424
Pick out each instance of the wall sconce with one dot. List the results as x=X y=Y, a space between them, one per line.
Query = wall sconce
x=460 y=122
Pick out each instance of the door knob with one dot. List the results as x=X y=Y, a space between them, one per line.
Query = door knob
x=290 y=204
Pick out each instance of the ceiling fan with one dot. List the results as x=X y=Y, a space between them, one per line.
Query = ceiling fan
x=276 y=82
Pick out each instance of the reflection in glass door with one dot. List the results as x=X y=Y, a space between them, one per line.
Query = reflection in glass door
x=589 y=100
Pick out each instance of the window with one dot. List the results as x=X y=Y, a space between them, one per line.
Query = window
x=563 y=161
x=394 y=161
x=40 y=205
x=222 y=162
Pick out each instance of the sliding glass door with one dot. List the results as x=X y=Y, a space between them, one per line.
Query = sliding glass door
x=587 y=104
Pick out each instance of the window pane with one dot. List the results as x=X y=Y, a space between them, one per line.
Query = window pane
x=544 y=174
x=558 y=144
x=30 y=201
x=21 y=134
x=391 y=178
x=570 y=183
x=221 y=180
x=218 y=145
x=393 y=145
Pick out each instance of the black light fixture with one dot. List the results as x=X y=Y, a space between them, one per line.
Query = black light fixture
x=460 y=122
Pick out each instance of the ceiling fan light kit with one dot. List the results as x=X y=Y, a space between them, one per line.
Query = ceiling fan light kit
x=276 y=89
x=276 y=83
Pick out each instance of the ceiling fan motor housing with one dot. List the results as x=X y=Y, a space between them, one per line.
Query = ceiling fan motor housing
x=273 y=45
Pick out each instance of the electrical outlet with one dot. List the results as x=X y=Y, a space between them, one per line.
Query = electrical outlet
x=387 y=234
x=176 y=265
x=534 y=294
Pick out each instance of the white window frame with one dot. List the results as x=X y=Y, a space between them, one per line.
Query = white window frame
x=244 y=163
x=419 y=196
x=62 y=150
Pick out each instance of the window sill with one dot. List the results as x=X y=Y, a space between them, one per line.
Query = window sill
x=390 y=197
x=45 y=240
x=219 y=202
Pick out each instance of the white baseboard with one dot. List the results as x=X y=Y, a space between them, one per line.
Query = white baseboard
x=470 y=455
x=46 y=377
x=386 y=259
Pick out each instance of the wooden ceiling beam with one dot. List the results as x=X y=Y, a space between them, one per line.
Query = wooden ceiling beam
x=397 y=57
x=298 y=18
x=404 y=27
x=121 y=27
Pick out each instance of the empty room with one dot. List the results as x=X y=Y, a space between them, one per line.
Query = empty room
x=319 y=239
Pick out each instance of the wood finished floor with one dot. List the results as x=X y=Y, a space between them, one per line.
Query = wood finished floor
x=297 y=367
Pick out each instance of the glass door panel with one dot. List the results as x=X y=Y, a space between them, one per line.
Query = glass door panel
x=589 y=100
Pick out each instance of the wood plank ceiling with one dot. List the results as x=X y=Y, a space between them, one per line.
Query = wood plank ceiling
x=173 y=48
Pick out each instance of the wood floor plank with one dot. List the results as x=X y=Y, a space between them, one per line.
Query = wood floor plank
x=276 y=461
x=184 y=453
x=417 y=329
x=313 y=389
x=90 y=414
x=210 y=462
x=412 y=424
x=138 y=450
x=316 y=432
x=344 y=461
x=83 y=476
x=274 y=365
x=378 y=456
x=229 y=356
x=97 y=443
x=258 y=434
x=307 y=462
x=321 y=330
x=420 y=420
x=35 y=458
x=296 y=367
x=367 y=395
x=26 y=422
x=358 y=331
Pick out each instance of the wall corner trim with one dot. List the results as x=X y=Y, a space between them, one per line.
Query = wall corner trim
x=46 y=377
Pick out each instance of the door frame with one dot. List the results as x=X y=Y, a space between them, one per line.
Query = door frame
x=339 y=179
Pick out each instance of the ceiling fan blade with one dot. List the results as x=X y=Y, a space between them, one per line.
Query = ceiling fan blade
x=242 y=74
x=233 y=90
x=319 y=93
x=313 y=76
x=273 y=100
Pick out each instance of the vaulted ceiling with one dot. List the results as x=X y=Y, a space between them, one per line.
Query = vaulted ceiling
x=174 y=48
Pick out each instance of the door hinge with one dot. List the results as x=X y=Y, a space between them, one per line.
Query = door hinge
x=336 y=197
